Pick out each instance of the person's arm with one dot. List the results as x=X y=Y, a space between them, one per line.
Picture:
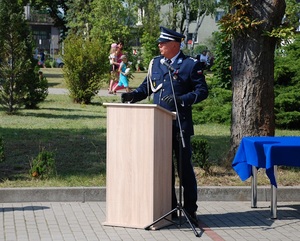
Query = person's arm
x=200 y=89
x=114 y=60
x=120 y=68
x=138 y=94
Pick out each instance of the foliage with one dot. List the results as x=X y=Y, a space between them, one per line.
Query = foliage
x=110 y=20
x=149 y=48
x=79 y=24
x=289 y=120
x=287 y=108
x=36 y=89
x=215 y=109
x=285 y=32
x=85 y=65
x=150 y=33
x=2 y=155
x=281 y=33
x=292 y=16
x=287 y=68
x=222 y=61
x=16 y=47
x=239 y=20
x=50 y=63
x=200 y=48
x=200 y=155
x=287 y=85
x=43 y=166
x=105 y=21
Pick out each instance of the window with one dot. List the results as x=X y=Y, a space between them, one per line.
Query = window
x=219 y=15
x=190 y=38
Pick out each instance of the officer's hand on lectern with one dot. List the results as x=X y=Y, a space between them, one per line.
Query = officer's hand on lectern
x=126 y=97
x=169 y=99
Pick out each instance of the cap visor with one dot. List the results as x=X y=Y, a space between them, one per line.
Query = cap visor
x=162 y=40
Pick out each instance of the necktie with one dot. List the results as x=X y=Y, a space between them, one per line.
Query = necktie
x=169 y=61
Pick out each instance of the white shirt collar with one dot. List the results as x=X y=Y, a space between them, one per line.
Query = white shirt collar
x=174 y=58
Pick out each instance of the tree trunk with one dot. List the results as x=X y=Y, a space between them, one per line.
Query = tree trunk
x=187 y=4
x=253 y=75
x=199 y=22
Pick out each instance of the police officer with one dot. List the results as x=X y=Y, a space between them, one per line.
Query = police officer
x=172 y=67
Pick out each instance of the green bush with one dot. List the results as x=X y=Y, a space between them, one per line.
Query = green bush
x=288 y=101
x=149 y=48
x=287 y=68
x=222 y=63
x=287 y=108
x=288 y=120
x=36 y=89
x=199 y=49
x=215 y=109
x=50 y=63
x=287 y=86
x=200 y=154
x=283 y=74
x=85 y=67
x=43 y=166
x=2 y=156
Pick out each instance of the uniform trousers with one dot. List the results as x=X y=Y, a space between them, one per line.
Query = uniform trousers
x=188 y=180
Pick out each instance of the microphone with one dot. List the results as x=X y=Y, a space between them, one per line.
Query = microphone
x=164 y=62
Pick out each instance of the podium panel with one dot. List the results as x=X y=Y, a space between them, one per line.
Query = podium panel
x=139 y=165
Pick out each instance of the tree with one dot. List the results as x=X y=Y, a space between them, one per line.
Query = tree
x=172 y=18
x=151 y=23
x=36 y=87
x=187 y=4
x=111 y=20
x=252 y=66
x=201 y=9
x=16 y=47
x=182 y=12
x=79 y=24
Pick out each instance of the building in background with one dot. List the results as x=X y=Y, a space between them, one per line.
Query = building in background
x=46 y=36
x=208 y=26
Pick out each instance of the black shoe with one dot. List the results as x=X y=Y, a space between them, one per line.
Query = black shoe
x=193 y=218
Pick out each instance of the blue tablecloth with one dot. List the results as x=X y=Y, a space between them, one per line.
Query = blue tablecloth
x=265 y=152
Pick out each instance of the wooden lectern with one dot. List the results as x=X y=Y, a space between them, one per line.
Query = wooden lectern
x=139 y=168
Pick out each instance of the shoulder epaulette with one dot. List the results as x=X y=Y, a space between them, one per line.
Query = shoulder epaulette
x=192 y=58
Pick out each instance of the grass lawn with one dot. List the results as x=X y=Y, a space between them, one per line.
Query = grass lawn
x=76 y=134
x=56 y=80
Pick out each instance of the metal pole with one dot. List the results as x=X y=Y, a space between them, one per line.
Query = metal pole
x=274 y=197
x=254 y=187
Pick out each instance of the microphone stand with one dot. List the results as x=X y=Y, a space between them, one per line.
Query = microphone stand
x=181 y=144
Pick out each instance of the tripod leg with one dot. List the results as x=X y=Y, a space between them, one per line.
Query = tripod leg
x=161 y=218
x=190 y=223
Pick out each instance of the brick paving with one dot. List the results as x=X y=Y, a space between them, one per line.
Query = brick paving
x=69 y=221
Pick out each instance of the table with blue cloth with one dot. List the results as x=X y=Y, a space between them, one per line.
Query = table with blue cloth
x=266 y=152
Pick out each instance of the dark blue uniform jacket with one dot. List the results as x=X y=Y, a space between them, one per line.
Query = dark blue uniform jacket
x=188 y=82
